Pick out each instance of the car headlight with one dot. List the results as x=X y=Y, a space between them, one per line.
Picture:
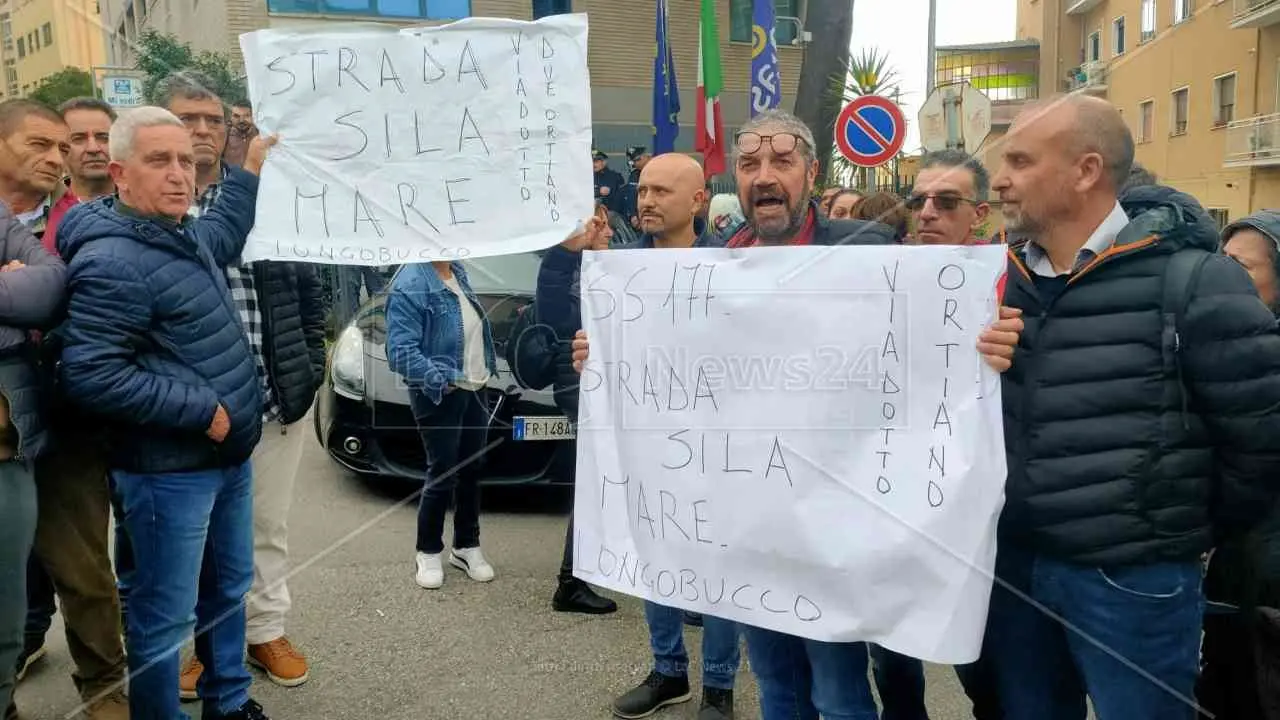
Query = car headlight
x=347 y=365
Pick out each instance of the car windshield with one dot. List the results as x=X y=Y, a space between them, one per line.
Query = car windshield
x=517 y=274
x=504 y=273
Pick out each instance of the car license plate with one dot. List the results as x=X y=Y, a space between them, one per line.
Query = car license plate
x=542 y=428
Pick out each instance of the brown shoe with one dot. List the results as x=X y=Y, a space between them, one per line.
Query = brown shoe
x=283 y=664
x=187 y=680
x=112 y=707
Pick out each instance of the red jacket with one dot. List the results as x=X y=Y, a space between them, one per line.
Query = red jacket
x=60 y=207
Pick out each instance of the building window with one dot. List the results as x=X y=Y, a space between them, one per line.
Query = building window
x=1146 y=121
x=740 y=20
x=1220 y=216
x=1181 y=109
x=33 y=41
x=1007 y=74
x=47 y=32
x=1148 y=20
x=22 y=47
x=1182 y=10
x=1117 y=36
x=422 y=9
x=1224 y=99
x=544 y=8
x=1094 y=50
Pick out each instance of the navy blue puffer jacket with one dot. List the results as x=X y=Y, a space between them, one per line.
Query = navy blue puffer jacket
x=152 y=341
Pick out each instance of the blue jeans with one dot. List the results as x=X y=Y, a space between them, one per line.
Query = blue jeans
x=900 y=681
x=192 y=539
x=453 y=434
x=1127 y=637
x=720 y=652
x=801 y=678
x=42 y=602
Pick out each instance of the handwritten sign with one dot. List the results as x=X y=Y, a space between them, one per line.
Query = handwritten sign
x=802 y=439
x=411 y=145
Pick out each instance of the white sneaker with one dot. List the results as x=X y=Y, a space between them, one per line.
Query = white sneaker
x=430 y=571
x=472 y=561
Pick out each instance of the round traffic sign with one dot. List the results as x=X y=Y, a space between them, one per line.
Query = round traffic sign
x=870 y=131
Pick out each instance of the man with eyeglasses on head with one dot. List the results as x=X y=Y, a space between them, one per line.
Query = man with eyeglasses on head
x=775 y=168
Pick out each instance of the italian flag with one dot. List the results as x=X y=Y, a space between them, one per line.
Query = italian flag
x=710 y=141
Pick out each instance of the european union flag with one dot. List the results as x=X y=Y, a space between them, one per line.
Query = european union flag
x=666 y=94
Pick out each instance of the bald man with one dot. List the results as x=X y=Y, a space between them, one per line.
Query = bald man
x=669 y=196
x=1141 y=415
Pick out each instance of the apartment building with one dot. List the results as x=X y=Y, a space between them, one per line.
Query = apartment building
x=620 y=55
x=1197 y=80
x=40 y=37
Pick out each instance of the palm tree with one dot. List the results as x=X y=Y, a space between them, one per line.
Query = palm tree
x=868 y=73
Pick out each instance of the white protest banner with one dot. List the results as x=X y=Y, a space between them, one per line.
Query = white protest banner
x=802 y=439
x=410 y=145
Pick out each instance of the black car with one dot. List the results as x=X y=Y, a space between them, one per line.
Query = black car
x=362 y=413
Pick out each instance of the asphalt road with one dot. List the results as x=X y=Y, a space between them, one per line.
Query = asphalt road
x=382 y=648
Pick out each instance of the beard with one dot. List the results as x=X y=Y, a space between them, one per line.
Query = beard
x=777 y=231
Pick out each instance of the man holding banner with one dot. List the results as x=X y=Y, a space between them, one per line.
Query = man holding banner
x=776 y=169
x=153 y=345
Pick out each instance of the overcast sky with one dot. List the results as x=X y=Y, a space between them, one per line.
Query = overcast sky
x=900 y=29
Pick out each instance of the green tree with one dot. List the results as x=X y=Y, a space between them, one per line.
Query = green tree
x=62 y=86
x=161 y=54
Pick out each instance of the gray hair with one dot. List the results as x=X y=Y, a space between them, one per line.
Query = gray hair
x=950 y=158
x=785 y=122
x=188 y=85
x=125 y=130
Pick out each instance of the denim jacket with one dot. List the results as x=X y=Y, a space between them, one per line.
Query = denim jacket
x=424 y=329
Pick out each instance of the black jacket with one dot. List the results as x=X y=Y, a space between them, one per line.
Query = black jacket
x=1106 y=467
x=31 y=298
x=292 y=304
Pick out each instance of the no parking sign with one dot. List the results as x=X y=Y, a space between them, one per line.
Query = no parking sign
x=870 y=131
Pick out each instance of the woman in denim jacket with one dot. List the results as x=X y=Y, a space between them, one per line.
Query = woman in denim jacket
x=439 y=341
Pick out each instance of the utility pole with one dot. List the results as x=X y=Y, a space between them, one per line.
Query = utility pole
x=933 y=48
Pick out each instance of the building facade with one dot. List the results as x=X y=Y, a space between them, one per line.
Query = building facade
x=1008 y=73
x=620 y=54
x=1197 y=80
x=39 y=38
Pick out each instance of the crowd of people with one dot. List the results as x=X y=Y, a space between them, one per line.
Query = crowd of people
x=146 y=372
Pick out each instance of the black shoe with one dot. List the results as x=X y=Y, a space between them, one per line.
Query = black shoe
x=576 y=596
x=656 y=692
x=717 y=704
x=692 y=619
x=249 y=711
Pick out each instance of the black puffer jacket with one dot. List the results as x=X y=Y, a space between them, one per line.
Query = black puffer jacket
x=1105 y=467
x=292 y=303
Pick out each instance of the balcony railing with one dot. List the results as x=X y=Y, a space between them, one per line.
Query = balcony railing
x=1090 y=77
x=1254 y=13
x=1253 y=141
